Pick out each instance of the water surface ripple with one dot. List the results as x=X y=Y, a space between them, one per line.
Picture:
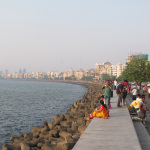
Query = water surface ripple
x=26 y=104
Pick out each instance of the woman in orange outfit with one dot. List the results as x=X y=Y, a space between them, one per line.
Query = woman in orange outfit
x=102 y=112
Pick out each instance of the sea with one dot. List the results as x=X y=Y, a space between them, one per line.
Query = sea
x=26 y=104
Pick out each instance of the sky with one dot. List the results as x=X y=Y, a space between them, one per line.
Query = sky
x=56 y=35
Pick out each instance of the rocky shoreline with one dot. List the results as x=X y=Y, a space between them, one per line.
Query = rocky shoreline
x=64 y=130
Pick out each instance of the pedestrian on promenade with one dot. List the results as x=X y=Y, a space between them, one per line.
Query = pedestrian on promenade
x=124 y=95
x=145 y=89
x=143 y=110
x=129 y=86
x=138 y=88
x=119 y=91
x=115 y=84
x=112 y=87
x=107 y=93
x=134 y=92
x=103 y=112
x=149 y=91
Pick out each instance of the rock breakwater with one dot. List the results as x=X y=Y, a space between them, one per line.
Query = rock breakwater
x=64 y=130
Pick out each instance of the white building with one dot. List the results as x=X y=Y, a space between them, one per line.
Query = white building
x=116 y=70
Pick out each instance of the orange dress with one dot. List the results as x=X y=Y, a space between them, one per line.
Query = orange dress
x=102 y=114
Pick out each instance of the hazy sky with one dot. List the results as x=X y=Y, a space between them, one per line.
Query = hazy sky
x=46 y=35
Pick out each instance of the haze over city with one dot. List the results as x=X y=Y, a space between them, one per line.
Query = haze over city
x=59 y=35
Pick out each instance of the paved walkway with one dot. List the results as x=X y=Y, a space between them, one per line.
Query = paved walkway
x=115 y=133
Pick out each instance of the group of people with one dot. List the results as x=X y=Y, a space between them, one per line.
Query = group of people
x=137 y=89
x=103 y=110
x=139 y=106
x=122 y=89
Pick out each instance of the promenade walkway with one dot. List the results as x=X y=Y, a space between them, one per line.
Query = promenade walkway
x=115 y=133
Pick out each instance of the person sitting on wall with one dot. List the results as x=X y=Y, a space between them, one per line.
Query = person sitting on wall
x=102 y=112
x=134 y=106
x=143 y=110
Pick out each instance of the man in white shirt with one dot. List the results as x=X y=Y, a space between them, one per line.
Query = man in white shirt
x=134 y=92
x=115 y=84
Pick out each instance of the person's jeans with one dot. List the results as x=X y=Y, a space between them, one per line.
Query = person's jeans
x=107 y=100
x=119 y=99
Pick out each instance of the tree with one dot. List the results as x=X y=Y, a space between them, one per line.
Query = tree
x=113 y=78
x=136 y=70
x=120 y=78
x=106 y=77
x=68 y=78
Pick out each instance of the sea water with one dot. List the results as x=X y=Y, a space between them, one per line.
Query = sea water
x=26 y=104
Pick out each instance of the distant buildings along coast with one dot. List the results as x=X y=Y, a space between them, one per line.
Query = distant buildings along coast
x=88 y=74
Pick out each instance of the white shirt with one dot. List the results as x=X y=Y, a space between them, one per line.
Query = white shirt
x=115 y=82
x=138 y=87
x=139 y=99
x=134 y=91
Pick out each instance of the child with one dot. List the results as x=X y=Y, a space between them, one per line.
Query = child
x=101 y=113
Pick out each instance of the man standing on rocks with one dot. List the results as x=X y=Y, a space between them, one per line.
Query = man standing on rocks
x=107 y=93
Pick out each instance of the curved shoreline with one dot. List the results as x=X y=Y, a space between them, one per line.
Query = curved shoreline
x=64 y=130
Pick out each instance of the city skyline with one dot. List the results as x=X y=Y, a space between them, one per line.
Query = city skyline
x=43 y=36
x=24 y=70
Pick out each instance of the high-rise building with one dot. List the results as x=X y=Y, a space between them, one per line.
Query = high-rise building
x=24 y=70
x=138 y=56
x=108 y=68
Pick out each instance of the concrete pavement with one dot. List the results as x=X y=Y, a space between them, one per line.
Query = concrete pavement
x=115 y=133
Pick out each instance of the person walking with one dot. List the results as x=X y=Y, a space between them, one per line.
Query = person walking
x=124 y=95
x=111 y=85
x=138 y=88
x=115 y=84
